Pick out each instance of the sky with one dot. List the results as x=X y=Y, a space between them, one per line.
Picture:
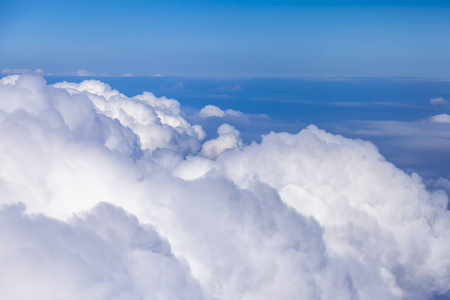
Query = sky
x=227 y=38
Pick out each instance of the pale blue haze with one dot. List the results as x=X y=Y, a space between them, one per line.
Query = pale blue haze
x=228 y=38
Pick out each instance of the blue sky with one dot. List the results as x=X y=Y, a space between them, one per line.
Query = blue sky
x=228 y=38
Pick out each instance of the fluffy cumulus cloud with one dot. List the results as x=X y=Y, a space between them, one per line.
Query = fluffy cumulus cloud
x=214 y=111
x=156 y=121
x=442 y=118
x=228 y=138
x=104 y=196
x=101 y=254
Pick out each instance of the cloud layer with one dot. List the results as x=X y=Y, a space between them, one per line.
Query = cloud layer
x=109 y=197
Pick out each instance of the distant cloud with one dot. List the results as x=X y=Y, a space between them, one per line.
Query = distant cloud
x=127 y=75
x=356 y=104
x=443 y=118
x=283 y=100
x=178 y=86
x=211 y=96
x=361 y=104
x=214 y=111
x=394 y=104
x=230 y=88
x=21 y=71
x=421 y=146
x=83 y=73
x=173 y=87
x=211 y=111
x=424 y=128
x=438 y=101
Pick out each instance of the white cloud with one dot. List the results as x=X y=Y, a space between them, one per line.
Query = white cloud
x=101 y=254
x=20 y=71
x=234 y=88
x=228 y=138
x=83 y=73
x=439 y=184
x=121 y=201
x=438 y=101
x=178 y=86
x=211 y=111
x=156 y=121
x=214 y=111
x=443 y=118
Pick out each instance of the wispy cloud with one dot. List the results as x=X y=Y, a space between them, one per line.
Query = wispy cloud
x=438 y=101
x=442 y=118
x=355 y=104
x=211 y=96
x=21 y=71
x=84 y=73
x=421 y=146
x=230 y=88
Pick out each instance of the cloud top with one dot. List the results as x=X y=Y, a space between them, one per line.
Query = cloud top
x=442 y=118
x=21 y=71
x=214 y=111
x=114 y=197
